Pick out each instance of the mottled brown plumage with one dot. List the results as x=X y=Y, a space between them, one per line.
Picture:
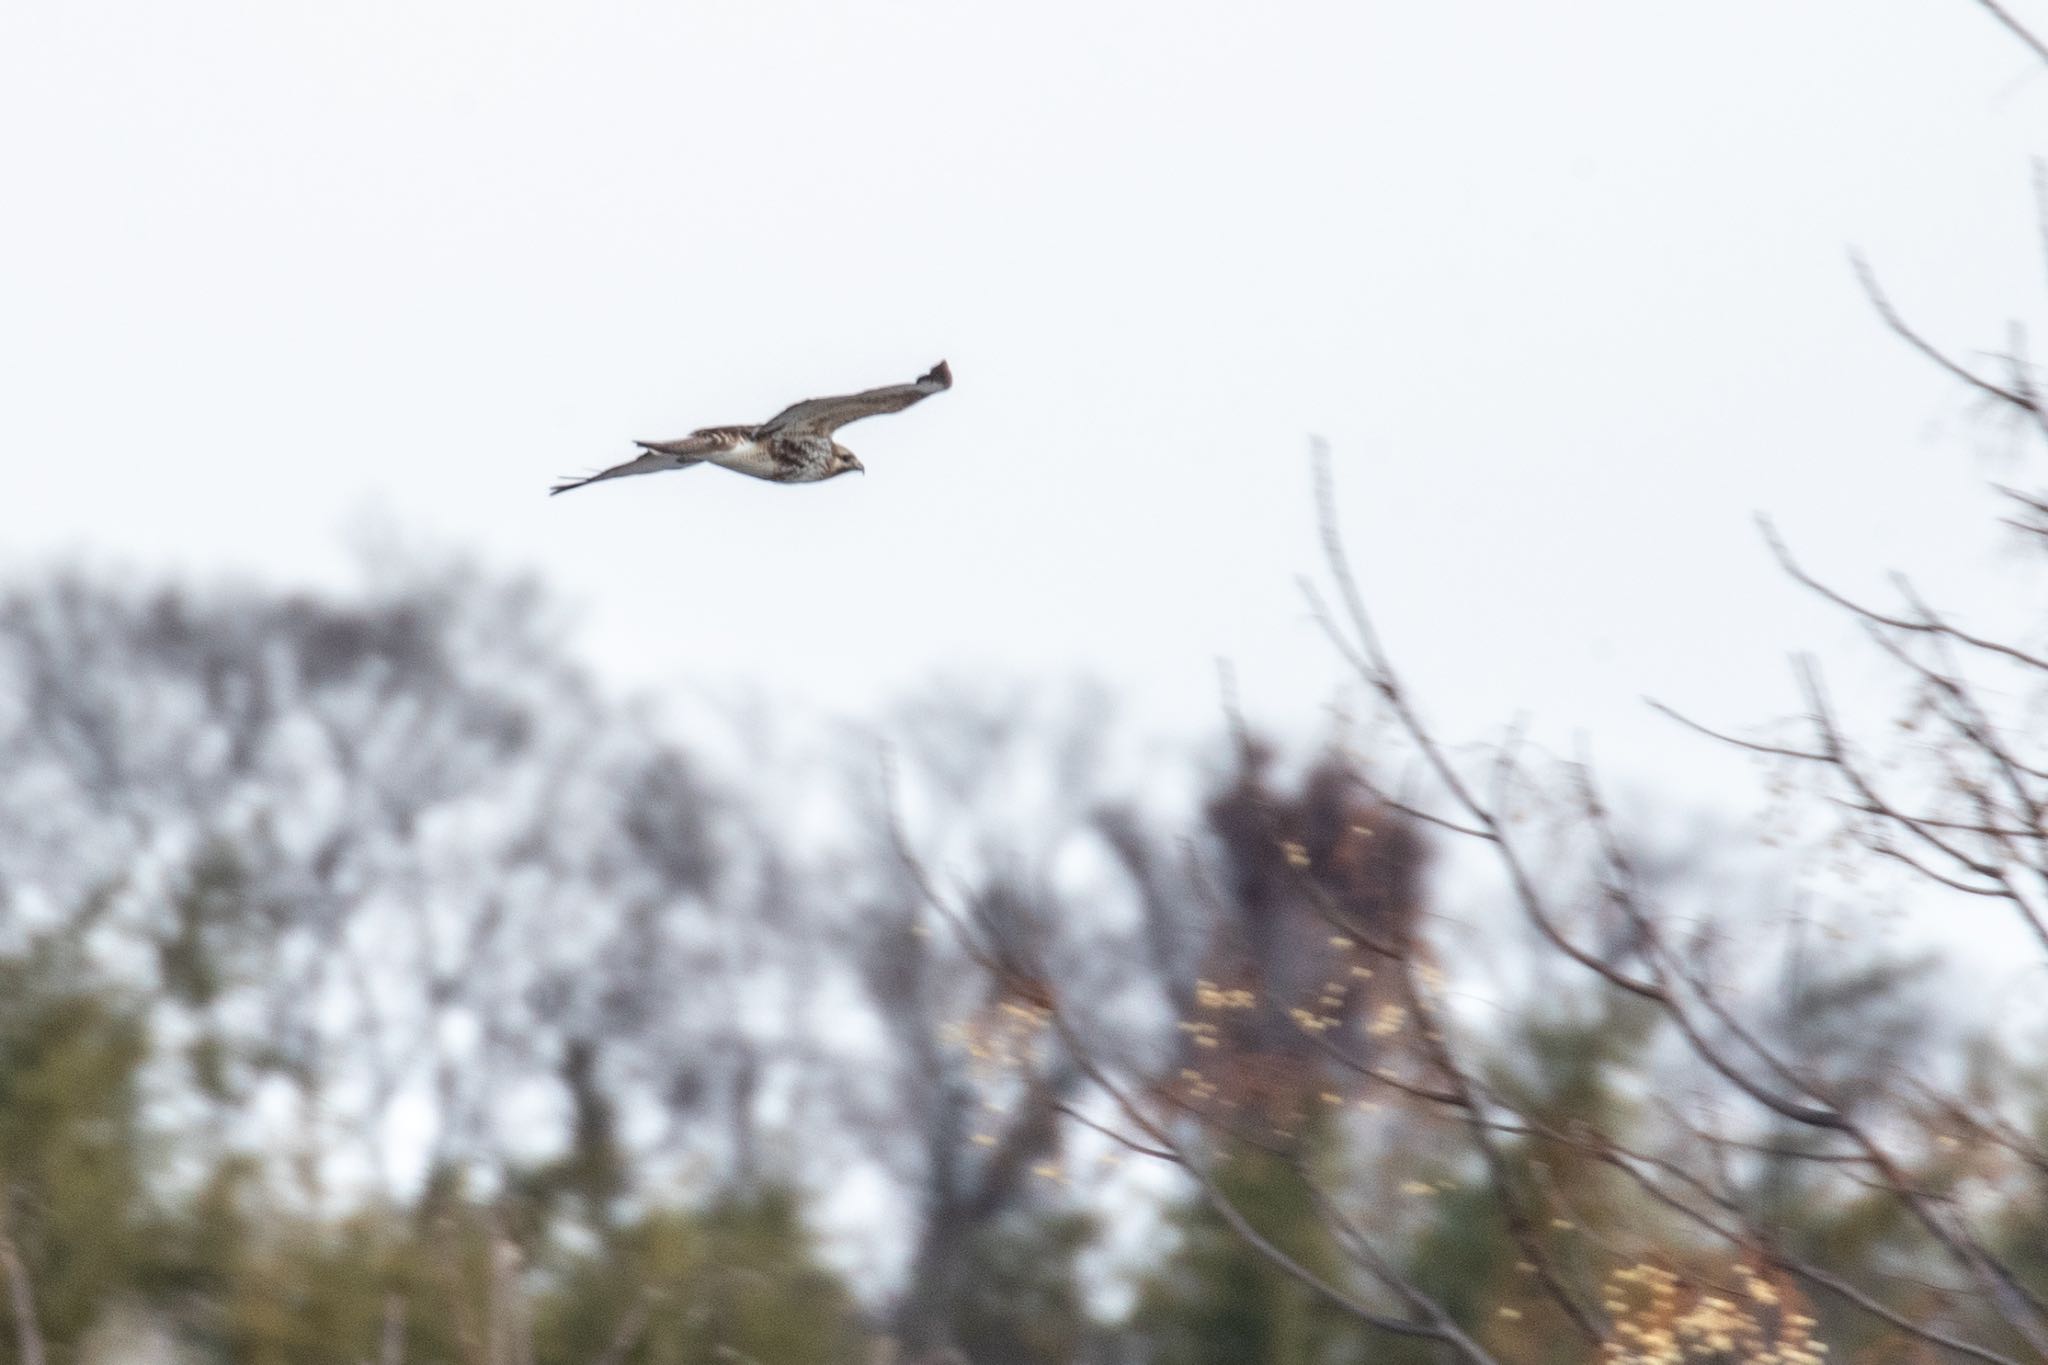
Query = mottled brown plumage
x=793 y=446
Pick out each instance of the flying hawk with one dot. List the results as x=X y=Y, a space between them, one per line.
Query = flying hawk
x=793 y=446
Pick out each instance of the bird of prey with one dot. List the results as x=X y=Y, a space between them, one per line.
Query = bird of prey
x=793 y=446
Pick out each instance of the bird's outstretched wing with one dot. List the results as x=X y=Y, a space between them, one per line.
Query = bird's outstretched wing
x=701 y=444
x=823 y=416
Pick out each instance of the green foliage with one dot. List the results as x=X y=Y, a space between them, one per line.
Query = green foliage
x=1567 y=1069
x=71 y=1145
x=736 y=1281
x=249 y=1283
x=1216 y=1301
x=234 y=1272
x=565 y=1257
x=1021 y=1301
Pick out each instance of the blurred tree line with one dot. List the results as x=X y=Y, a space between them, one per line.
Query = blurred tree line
x=376 y=987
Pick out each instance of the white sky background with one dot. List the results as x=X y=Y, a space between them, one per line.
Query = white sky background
x=1564 y=284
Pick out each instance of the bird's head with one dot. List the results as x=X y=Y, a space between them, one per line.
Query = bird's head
x=844 y=461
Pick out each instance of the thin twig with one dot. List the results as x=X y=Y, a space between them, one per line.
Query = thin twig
x=1928 y=624
x=2018 y=29
x=1927 y=348
x=632 y=1325
x=391 y=1349
x=28 y=1337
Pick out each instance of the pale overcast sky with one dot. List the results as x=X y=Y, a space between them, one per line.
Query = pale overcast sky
x=1564 y=284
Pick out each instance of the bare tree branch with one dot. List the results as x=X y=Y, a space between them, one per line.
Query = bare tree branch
x=2015 y=27
x=28 y=1337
